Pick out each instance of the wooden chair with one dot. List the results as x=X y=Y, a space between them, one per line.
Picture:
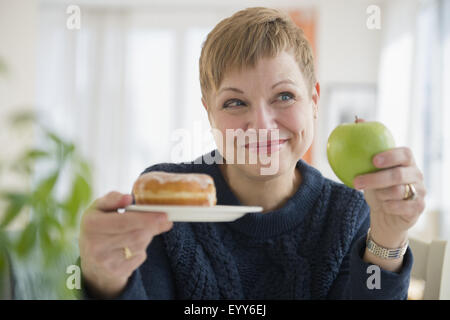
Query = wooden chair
x=432 y=264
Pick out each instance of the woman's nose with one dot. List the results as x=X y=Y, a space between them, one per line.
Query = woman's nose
x=262 y=117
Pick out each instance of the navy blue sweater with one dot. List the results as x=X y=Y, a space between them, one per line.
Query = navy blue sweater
x=311 y=248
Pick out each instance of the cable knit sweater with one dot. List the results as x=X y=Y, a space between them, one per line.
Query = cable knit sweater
x=311 y=248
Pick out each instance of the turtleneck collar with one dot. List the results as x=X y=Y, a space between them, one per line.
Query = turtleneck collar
x=263 y=225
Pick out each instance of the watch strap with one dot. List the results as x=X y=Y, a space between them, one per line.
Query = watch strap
x=385 y=253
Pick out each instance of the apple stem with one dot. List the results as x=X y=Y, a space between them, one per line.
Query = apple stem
x=357 y=120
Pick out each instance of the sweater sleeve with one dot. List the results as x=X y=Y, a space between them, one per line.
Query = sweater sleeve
x=153 y=280
x=358 y=279
x=134 y=289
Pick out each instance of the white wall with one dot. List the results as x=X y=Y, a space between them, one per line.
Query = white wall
x=17 y=50
x=348 y=53
x=17 y=89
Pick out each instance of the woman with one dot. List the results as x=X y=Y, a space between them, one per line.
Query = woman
x=257 y=74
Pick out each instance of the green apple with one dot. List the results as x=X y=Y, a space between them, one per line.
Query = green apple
x=352 y=146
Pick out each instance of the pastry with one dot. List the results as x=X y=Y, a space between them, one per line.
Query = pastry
x=167 y=188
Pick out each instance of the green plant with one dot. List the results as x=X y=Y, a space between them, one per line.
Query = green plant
x=41 y=250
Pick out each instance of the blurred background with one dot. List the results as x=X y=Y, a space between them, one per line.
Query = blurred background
x=120 y=80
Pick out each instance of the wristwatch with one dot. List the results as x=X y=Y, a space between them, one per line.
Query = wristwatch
x=385 y=253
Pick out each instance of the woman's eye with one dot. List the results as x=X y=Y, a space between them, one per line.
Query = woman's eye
x=232 y=103
x=285 y=97
x=286 y=94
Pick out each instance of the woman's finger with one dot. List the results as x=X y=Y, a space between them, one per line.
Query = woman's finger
x=397 y=192
x=401 y=156
x=137 y=239
x=388 y=177
x=109 y=223
x=119 y=265
x=112 y=201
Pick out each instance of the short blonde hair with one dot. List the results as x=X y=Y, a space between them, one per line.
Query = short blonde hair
x=248 y=35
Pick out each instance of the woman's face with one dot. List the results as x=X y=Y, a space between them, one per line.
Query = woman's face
x=271 y=113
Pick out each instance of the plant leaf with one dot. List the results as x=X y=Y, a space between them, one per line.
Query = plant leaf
x=22 y=167
x=54 y=137
x=26 y=240
x=16 y=203
x=52 y=238
x=23 y=117
x=85 y=169
x=2 y=267
x=45 y=187
x=34 y=154
x=80 y=195
x=69 y=148
x=63 y=148
x=14 y=196
x=25 y=163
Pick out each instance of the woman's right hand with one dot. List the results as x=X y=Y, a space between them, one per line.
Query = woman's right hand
x=104 y=233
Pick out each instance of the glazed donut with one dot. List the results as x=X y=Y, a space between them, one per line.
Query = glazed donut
x=159 y=187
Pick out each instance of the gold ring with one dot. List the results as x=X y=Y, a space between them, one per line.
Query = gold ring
x=410 y=192
x=406 y=194
x=127 y=252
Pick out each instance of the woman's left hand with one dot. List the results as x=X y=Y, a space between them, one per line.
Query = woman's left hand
x=390 y=215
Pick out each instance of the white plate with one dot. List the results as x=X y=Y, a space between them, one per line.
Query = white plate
x=179 y=213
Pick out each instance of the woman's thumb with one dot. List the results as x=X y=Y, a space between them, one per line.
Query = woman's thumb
x=113 y=200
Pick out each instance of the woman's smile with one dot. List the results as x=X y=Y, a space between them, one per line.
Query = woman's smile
x=266 y=146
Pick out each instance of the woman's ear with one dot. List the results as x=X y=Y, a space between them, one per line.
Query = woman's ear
x=315 y=98
x=316 y=93
x=204 y=104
